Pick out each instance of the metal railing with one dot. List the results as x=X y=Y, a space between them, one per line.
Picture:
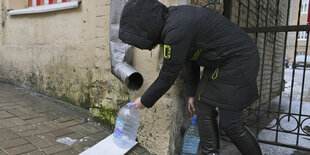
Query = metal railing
x=274 y=116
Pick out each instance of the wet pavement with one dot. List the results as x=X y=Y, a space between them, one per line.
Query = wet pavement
x=34 y=124
x=31 y=123
x=290 y=116
x=297 y=84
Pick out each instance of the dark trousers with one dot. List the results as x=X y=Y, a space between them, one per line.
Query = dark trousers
x=230 y=122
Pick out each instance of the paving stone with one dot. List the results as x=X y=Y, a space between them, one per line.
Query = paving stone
x=7 y=122
x=13 y=143
x=36 y=141
x=64 y=119
x=92 y=127
x=1 y=126
x=12 y=107
x=37 y=120
x=2 y=139
x=30 y=132
x=99 y=136
x=2 y=104
x=73 y=136
x=4 y=114
x=55 y=148
x=40 y=110
x=18 y=122
x=27 y=111
x=54 y=124
x=61 y=132
x=21 y=149
x=79 y=147
x=81 y=130
x=8 y=134
x=67 y=152
x=36 y=152
x=15 y=112
x=72 y=123
x=45 y=127
x=51 y=115
x=31 y=116
x=23 y=128
x=47 y=138
x=138 y=150
x=2 y=153
x=87 y=142
x=30 y=124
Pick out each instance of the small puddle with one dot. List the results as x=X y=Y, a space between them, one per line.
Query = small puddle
x=67 y=141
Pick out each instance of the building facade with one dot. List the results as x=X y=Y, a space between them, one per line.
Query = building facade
x=300 y=43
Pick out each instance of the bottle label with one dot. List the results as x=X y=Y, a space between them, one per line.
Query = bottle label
x=119 y=128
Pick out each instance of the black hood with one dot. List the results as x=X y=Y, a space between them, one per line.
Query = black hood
x=142 y=22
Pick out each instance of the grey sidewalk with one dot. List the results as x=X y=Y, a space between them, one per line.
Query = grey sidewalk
x=31 y=123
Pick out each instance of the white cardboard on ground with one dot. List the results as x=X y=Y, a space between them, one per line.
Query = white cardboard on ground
x=106 y=147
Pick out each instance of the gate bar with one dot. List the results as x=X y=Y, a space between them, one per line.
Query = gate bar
x=295 y=53
x=247 y=15
x=292 y=28
x=302 y=88
x=239 y=9
x=282 y=76
x=227 y=9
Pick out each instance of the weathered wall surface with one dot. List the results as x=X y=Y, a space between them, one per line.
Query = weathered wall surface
x=261 y=14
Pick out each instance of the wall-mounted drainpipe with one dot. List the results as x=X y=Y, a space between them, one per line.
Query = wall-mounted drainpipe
x=121 y=53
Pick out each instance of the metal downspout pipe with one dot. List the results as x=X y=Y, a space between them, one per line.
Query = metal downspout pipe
x=121 y=53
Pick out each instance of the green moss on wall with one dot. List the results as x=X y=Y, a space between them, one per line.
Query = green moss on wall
x=105 y=115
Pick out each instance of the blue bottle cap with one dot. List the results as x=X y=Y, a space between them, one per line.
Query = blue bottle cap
x=194 y=120
x=129 y=103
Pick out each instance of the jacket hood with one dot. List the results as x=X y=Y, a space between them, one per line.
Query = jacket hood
x=142 y=22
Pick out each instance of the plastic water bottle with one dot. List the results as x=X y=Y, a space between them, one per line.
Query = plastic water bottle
x=126 y=127
x=191 y=139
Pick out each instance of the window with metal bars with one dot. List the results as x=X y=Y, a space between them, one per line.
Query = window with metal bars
x=32 y=3
x=41 y=6
x=304 y=6
x=302 y=35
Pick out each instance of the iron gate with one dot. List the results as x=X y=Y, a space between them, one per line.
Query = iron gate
x=281 y=116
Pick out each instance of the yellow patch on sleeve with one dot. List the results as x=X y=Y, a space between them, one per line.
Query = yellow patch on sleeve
x=167 y=51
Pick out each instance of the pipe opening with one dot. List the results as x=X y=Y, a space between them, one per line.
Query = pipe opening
x=134 y=81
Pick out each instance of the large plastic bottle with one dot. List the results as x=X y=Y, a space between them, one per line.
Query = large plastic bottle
x=191 y=139
x=126 y=127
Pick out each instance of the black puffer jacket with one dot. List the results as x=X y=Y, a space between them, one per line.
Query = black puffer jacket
x=194 y=37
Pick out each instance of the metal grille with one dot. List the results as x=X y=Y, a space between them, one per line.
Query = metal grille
x=281 y=116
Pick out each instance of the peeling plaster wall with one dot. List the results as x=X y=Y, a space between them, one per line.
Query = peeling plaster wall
x=51 y=53
x=65 y=55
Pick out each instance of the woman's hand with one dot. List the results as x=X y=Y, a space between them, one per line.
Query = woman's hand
x=137 y=104
x=191 y=105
